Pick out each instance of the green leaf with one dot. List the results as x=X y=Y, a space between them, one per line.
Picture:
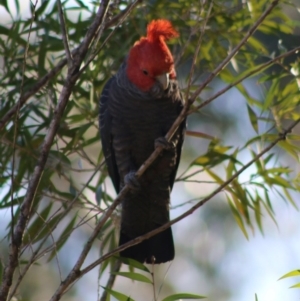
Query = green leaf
x=117 y=295
x=4 y=3
x=253 y=118
x=214 y=176
x=291 y=274
x=17 y=6
x=258 y=213
x=41 y=9
x=183 y=296
x=296 y=285
x=134 y=276
x=229 y=169
x=290 y=148
x=241 y=196
x=135 y=264
x=290 y=199
x=270 y=213
x=99 y=195
x=237 y=217
x=4 y=30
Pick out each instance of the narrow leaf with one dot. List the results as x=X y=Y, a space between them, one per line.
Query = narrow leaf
x=291 y=274
x=296 y=286
x=117 y=295
x=238 y=218
x=135 y=264
x=134 y=276
x=183 y=296
x=253 y=118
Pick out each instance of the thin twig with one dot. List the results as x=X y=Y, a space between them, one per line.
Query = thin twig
x=64 y=33
x=153 y=282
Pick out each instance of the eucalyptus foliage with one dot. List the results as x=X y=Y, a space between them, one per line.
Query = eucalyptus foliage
x=73 y=190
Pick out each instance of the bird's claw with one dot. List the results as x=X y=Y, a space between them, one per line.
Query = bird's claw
x=164 y=143
x=131 y=181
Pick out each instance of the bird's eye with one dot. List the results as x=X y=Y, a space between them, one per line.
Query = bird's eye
x=145 y=72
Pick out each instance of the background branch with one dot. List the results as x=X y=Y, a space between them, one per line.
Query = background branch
x=64 y=33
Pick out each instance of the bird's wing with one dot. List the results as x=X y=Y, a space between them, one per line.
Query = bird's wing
x=181 y=132
x=106 y=135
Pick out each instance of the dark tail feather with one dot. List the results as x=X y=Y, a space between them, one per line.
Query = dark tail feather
x=160 y=246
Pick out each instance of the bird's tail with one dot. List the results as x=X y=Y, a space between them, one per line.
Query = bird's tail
x=156 y=249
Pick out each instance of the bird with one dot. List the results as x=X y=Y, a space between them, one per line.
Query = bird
x=138 y=105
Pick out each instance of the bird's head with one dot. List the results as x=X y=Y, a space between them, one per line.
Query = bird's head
x=150 y=59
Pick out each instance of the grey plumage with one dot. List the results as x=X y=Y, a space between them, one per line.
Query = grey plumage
x=130 y=122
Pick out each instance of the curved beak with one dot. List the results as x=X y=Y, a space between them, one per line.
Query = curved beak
x=164 y=80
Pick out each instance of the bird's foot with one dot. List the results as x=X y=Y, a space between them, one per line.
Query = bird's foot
x=164 y=143
x=131 y=181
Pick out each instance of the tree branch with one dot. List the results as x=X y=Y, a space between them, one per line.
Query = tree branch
x=64 y=33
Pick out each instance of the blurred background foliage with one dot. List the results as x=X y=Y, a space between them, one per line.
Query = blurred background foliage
x=224 y=136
